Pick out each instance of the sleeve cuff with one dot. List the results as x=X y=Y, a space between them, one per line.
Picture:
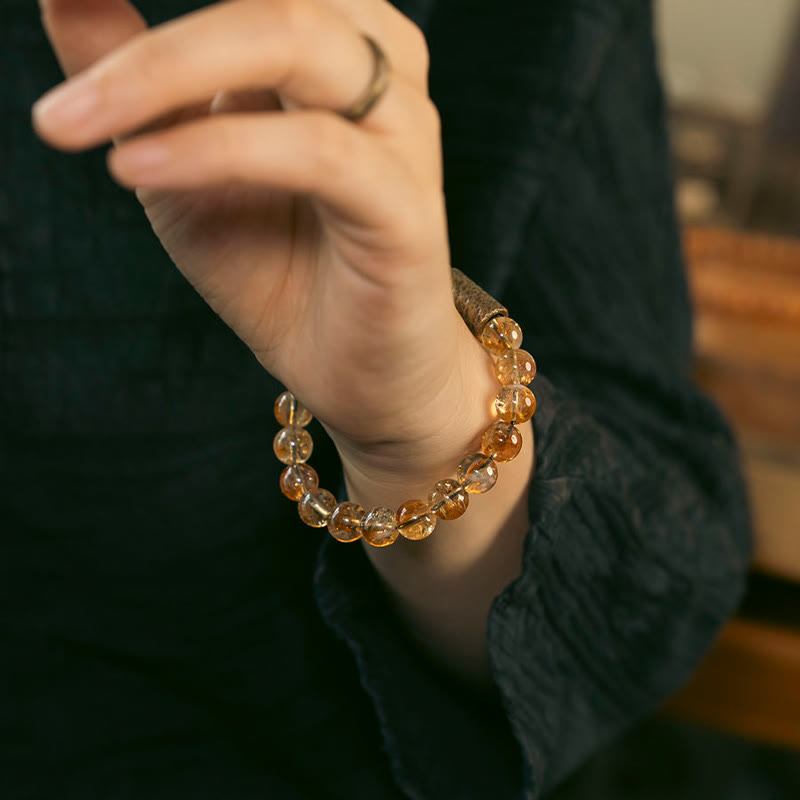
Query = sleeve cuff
x=626 y=579
x=441 y=742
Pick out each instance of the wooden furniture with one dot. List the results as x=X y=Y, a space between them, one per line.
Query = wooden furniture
x=748 y=685
x=746 y=293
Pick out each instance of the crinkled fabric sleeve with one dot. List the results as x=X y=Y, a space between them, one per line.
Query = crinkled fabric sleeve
x=640 y=534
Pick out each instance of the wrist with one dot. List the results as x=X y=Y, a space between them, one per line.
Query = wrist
x=391 y=472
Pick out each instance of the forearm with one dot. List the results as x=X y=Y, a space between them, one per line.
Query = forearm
x=443 y=586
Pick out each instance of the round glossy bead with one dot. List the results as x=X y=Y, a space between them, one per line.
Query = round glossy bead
x=288 y=411
x=379 y=527
x=477 y=473
x=297 y=479
x=345 y=521
x=515 y=403
x=415 y=520
x=515 y=366
x=315 y=507
x=502 y=441
x=501 y=334
x=292 y=445
x=449 y=499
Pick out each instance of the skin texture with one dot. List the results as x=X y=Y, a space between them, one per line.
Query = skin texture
x=322 y=243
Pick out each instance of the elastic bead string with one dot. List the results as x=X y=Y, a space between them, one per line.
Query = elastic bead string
x=415 y=519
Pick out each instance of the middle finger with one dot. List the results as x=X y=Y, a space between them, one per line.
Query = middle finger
x=305 y=49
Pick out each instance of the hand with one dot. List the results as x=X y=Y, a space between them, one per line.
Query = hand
x=321 y=242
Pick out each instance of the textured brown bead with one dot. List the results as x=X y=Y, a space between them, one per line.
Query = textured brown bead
x=292 y=445
x=502 y=441
x=501 y=334
x=345 y=521
x=515 y=403
x=515 y=366
x=288 y=411
x=475 y=305
x=415 y=519
x=379 y=528
x=477 y=473
x=297 y=479
x=315 y=507
x=449 y=499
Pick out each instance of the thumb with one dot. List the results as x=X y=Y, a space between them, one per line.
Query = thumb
x=82 y=31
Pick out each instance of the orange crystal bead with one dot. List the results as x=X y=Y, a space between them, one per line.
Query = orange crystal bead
x=415 y=520
x=292 y=445
x=449 y=499
x=315 y=507
x=515 y=403
x=379 y=527
x=345 y=521
x=289 y=411
x=515 y=366
x=501 y=334
x=297 y=479
x=477 y=473
x=502 y=441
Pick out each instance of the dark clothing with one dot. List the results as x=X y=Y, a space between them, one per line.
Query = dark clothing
x=171 y=629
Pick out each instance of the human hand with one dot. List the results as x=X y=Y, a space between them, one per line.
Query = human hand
x=322 y=243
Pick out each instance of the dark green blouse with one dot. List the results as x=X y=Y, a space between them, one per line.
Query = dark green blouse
x=170 y=629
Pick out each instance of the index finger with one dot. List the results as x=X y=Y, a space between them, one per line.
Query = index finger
x=305 y=48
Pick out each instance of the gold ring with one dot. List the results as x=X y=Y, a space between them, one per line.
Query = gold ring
x=376 y=88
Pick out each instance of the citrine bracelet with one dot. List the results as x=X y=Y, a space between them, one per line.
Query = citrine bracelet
x=449 y=498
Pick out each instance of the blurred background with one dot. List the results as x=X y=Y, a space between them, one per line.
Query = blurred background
x=732 y=73
x=731 y=69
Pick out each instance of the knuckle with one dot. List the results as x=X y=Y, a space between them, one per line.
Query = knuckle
x=293 y=16
x=140 y=63
x=291 y=20
x=148 y=54
x=419 y=54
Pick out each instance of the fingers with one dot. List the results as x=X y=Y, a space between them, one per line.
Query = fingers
x=306 y=50
x=305 y=151
x=83 y=31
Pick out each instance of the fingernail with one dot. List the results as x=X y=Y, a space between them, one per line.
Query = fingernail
x=69 y=104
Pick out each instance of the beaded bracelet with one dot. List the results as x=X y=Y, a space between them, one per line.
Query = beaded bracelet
x=477 y=473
